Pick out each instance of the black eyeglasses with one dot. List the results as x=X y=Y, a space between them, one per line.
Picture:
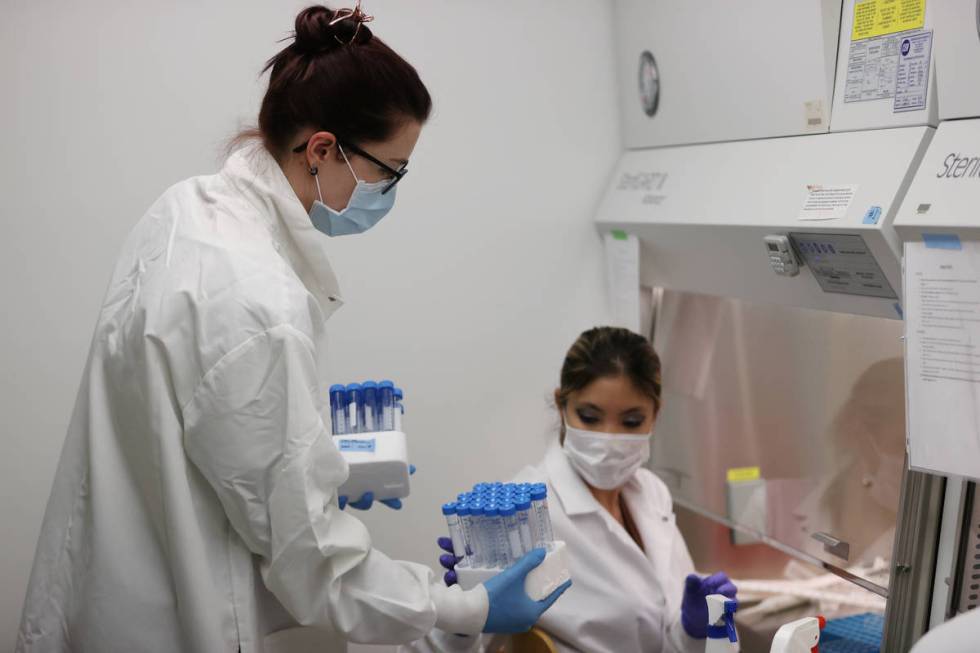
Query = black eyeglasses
x=396 y=175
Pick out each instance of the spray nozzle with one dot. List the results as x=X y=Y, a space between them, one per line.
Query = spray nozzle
x=730 y=608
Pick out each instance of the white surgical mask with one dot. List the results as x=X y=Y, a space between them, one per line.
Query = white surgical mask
x=605 y=460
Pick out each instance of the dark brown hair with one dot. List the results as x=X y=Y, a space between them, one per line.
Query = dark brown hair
x=610 y=352
x=341 y=78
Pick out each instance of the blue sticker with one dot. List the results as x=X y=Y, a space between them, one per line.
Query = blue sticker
x=942 y=241
x=872 y=216
x=898 y=309
x=365 y=446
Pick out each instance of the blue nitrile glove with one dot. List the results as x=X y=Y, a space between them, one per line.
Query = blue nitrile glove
x=511 y=609
x=448 y=560
x=694 y=607
x=366 y=501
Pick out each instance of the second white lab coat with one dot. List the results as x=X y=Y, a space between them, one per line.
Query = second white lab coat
x=622 y=598
x=195 y=504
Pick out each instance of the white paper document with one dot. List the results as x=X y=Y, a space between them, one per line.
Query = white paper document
x=623 y=279
x=871 y=69
x=942 y=355
x=912 y=77
x=826 y=202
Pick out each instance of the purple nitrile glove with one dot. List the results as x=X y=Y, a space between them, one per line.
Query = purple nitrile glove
x=448 y=560
x=694 y=607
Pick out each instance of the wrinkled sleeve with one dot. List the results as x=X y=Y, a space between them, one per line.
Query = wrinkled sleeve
x=254 y=431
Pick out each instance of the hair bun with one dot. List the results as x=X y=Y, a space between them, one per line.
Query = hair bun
x=321 y=29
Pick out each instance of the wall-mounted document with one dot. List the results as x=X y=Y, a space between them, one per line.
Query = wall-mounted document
x=942 y=347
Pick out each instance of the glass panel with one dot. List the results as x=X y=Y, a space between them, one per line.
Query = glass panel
x=815 y=400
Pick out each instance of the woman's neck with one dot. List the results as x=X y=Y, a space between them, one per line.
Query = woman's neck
x=608 y=499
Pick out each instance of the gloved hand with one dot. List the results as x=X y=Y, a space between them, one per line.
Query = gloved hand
x=694 y=607
x=511 y=609
x=366 y=501
x=448 y=560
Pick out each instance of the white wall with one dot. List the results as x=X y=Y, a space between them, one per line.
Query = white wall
x=467 y=295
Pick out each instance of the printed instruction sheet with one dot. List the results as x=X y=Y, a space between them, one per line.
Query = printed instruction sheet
x=826 y=202
x=942 y=355
x=912 y=74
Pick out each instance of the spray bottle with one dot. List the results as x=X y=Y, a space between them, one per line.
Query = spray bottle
x=722 y=637
x=801 y=636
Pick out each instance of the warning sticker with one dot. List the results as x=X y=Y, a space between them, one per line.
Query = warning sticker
x=827 y=202
x=879 y=17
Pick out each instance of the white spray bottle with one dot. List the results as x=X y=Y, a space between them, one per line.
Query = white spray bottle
x=722 y=637
x=800 y=636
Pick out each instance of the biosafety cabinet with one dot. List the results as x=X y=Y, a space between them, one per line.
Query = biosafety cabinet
x=776 y=283
x=957 y=55
x=705 y=216
x=717 y=70
x=885 y=69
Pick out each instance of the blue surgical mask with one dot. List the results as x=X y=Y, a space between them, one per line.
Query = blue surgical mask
x=364 y=210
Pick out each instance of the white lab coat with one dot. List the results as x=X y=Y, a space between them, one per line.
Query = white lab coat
x=622 y=598
x=961 y=634
x=195 y=507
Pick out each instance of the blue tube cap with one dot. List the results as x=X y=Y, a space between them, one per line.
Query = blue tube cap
x=522 y=503
x=354 y=387
x=538 y=494
x=369 y=385
x=450 y=508
x=336 y=387
x=399 y=394
x=491 y=510
x=507 y=509
x=387 y=384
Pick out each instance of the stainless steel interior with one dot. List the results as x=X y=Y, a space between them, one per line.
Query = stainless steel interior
x=816 y=401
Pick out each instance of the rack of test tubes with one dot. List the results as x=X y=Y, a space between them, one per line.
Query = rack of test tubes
x=366 y=407
x=495 y=525
x=366 y=420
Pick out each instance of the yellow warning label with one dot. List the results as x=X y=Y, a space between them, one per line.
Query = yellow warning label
x=878 y=17
x=739 y=474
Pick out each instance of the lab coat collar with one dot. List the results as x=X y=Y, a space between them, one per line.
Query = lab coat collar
x=569 y=487
x=254 y=172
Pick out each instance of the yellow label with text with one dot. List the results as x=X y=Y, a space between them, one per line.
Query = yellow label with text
x=739 y=474
x=879 y=17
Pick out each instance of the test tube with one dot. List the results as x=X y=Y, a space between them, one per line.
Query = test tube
x=483 y=556
x=523 y=506
x=498 y=536
x=399 y=408
x=386 y=401
x=539 y=503
x=508 y=516
x=450 y=511
x=354 y=401
x=465 y=512
x=338 y=409
x=367 y=411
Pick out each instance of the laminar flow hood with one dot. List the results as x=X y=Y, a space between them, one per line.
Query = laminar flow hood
x=706 y=217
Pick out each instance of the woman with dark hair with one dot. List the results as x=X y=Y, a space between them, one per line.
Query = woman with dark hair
x=634 y=587
x=195 y=505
